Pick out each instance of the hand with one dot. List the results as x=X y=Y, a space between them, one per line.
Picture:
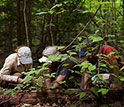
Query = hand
x=17 y=74
x=19 y=81
x=113 y=86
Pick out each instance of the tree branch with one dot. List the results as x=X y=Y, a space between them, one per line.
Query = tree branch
x=83 y=29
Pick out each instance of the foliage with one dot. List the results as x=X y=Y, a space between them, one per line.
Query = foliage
x=61 y=21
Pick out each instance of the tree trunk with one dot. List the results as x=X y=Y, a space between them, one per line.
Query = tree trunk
x=34 y=97
x=19 y=36
x=105 y=27
x=123 y=20
x=29 y=22
x=25 y=22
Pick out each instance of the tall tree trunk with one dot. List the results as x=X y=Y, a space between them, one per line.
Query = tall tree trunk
x=112 y=25
x=105 y=27
x=9 y=30
x=25 y=22
x=50 y=20
x=29 y=22
x=56 y=29
x=123 y=19
x=42 y=20
x=19 y=36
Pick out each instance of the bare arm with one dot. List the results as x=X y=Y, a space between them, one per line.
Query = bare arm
x=48 y=79
x=85 y=80
x=59 y=78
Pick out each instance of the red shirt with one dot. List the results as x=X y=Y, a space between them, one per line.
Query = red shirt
x=105 y=49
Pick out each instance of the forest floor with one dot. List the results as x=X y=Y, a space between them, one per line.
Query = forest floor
x=113 y=99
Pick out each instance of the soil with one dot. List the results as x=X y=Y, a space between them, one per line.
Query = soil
x=115 y=98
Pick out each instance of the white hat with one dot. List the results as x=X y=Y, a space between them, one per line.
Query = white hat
x=25 y=55
x=48 y=51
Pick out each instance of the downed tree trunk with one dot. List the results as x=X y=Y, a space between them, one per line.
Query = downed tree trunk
x=34 y=96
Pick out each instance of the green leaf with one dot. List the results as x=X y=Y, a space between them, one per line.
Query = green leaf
x=74 y=105
x=57 y=5
x=39 y=79
x=96 y=31
x=72 y=53
x=65 y=65
x=7 y=92
x=60 y=47
x=111 y=35
x=40 y=0
x=103 y=91
x=110 y=54
x=68 y=91
x=122 y=68
x=122 y=41
x=47 y=75
x=19 y=86
x=37 y=71
x=102 y=65
x=42 y=13
x=96 y=39
x=92 y=67
x=59 y=101
x=62 y=82
x=53 y=58
x=72 y=77
x=79 y=38
x=51 y=11
x=82 y=95
x=32 y=87
x=13 y=92
x=53 y=74
x=27 y=79
x=94 y=91
x=122 y=78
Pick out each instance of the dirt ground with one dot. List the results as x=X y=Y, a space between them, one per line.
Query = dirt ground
x=115 y=99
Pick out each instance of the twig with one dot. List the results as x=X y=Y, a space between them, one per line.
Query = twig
x=5 y=101
x=83 y=29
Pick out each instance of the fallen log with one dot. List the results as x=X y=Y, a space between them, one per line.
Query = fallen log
x=34 y=96
x=31 y=97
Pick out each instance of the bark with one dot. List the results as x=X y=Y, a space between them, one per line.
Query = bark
x=50 y=28
x=47 y=38
x=31 y=97
x=34 y=97
x=19 y=36
x=25 y=22
x=42 y=26
x=123 y=20
x=29 y=22
x=105 y=27
x=112 y=25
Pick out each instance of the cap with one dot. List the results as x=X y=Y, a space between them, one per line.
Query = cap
x=25 y=55
x=86 y=44
x=48 y=51
x=44 y=59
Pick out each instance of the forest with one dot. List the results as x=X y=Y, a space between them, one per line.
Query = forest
x=65 y=24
